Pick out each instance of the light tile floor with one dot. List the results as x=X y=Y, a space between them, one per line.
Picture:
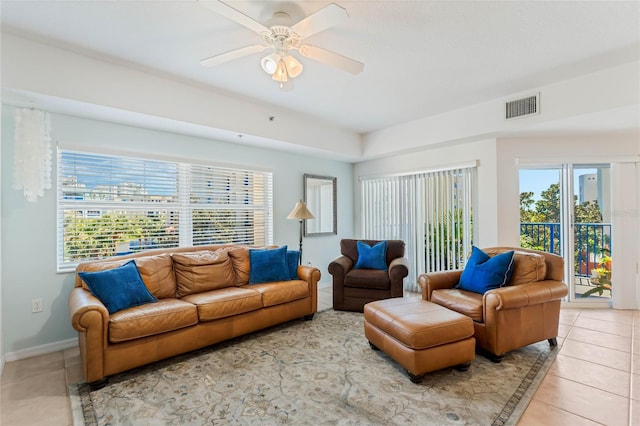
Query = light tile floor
x=595 y=378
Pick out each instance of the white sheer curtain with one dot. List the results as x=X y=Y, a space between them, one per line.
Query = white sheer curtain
x=430 y=211
x=625 y=221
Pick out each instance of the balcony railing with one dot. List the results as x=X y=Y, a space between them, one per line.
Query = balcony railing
x=592 y=241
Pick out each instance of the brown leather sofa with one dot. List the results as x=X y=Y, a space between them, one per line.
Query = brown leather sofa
x=353 y=288
x=186 y=316
x=525 y=311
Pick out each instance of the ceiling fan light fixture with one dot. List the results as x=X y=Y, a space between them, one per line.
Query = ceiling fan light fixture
x=281 y=72
x=294 y=67
x=270 y=63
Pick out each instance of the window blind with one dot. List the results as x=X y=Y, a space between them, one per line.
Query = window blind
x=431 y=212
x=110 y=205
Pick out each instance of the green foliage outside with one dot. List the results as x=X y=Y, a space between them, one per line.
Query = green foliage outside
x=447 y=237
x=99 y=237
x=111 y=233
x=547 y=208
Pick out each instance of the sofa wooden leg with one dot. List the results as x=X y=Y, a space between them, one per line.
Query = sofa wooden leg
x=98 y=384
x=463 y=367
x=415 y=378
x=374 y=347
x=495 y=358
x=553 y=342
x=308 y=317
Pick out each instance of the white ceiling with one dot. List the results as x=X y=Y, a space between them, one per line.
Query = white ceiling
x=421 y=58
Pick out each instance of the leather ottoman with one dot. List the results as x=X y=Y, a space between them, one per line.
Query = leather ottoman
x=419 y=335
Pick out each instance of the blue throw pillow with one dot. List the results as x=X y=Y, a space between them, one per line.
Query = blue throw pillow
x=371 y=257
x=293 y=259
x=483 y=272
x=267 y=265
x=118 y=288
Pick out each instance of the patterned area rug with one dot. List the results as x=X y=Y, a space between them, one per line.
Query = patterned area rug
x=311 y=372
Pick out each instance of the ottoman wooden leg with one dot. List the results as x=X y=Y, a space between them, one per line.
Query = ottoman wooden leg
x=415 y=378
x=374 y=347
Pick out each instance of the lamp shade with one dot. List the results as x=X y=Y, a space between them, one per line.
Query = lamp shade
x=300 y=212
x=269 y=63
x=281 y=72
x=294 y=67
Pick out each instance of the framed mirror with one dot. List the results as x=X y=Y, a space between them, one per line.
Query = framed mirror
x=320 y=196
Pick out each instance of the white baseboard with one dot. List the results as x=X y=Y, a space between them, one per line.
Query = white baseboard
x=41 y=350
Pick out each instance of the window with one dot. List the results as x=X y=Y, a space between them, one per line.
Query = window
x=566 y=209
x=431 y=212
x=112 y=205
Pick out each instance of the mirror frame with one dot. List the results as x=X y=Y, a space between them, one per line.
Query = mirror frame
x=334 y=184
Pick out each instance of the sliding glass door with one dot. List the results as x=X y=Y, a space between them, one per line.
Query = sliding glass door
x=566 y=209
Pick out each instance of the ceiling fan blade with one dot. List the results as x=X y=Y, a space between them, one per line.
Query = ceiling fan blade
x=233 y=54
x=321 y=20
x=233 y=14
x=331 y=58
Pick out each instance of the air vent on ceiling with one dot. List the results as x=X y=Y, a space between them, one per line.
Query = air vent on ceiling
x=523 y=107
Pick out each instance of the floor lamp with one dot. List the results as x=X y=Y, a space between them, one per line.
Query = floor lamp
x=300 y=212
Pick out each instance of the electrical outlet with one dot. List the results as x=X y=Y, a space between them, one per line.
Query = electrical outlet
x=36 y=306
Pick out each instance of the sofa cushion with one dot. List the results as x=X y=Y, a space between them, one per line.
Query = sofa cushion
x=148 y=320
x=157 y=274
x=225 y=302
x=276 y=293
x=368 y=279
x=483 y=272
x=395 y=248
x=118 y=288
x=203 y=271
x=268 y=265
x=461 y=301
x=527 y=267
x=371 y=257
x=241 y=264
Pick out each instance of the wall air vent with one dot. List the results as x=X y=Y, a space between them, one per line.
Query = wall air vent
x=523 y=107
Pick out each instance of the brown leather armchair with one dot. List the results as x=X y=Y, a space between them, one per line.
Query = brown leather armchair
x=353 y=288
x=525 y=311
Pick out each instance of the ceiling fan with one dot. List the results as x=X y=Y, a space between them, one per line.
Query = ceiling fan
x=282 y=39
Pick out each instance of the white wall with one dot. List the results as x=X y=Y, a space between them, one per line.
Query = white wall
x=29 y=229
x=608 y=96
x=569 y=148
x=96 y=82
x=483 y=152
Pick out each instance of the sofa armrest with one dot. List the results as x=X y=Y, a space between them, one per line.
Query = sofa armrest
x=398 y=268
x=518 y=296
x=340 y=266
x=91 y=319
x=87 y=313
x=309 y=273
x=438 y=280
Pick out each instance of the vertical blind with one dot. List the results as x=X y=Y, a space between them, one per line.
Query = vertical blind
x=431 y=212
x=110 y=205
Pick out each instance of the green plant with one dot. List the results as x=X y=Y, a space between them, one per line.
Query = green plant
x=601 y=277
